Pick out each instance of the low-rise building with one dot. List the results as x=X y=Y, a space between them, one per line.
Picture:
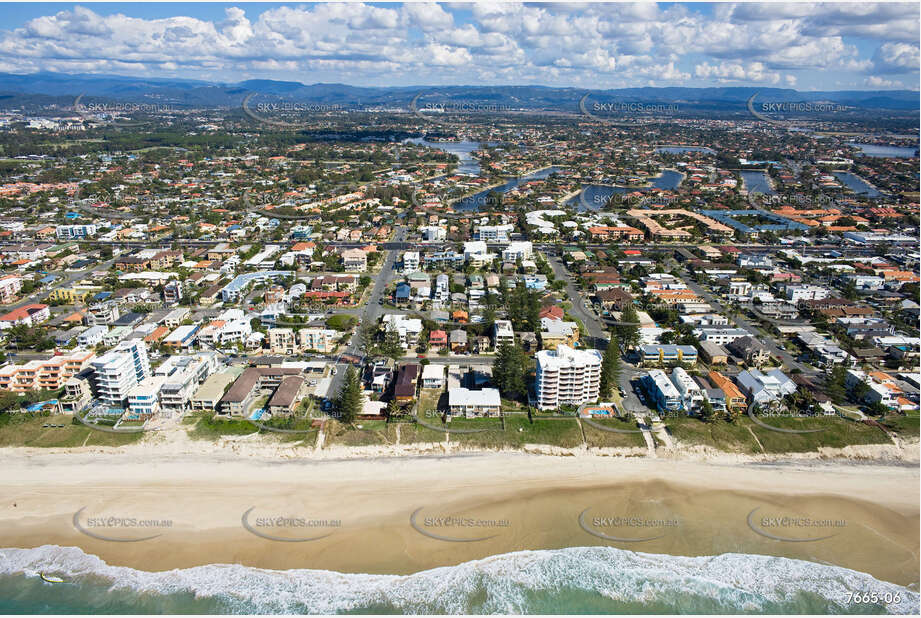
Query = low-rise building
x=471 y=403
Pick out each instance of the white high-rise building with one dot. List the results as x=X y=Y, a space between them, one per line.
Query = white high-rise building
x=120 y=370
x=567 y=376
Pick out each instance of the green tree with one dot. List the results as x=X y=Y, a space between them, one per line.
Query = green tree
x=610 y=367
x=629 y=333
x=508 y=370
x=351 y=400
x=391 y=347
x=706 y=411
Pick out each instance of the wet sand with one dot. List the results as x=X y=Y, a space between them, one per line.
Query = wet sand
x=393 y=515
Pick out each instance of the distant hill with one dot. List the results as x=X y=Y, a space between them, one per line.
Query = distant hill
x=196 y=93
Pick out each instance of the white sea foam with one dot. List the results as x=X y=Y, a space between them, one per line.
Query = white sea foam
x=507 y=583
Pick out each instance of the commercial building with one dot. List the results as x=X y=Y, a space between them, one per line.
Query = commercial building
x=567 y=376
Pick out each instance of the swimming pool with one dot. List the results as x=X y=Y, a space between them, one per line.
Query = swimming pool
x=257 y=414
x=598 y=411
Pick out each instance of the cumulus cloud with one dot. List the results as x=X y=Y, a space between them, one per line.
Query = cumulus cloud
x=499 y=43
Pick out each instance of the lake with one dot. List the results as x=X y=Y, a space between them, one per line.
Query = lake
x=757 y=182
x=475 y=201
x=684 y=149
x=594 y=197
x=857 y=184
x=886 y=151
x=463 y=150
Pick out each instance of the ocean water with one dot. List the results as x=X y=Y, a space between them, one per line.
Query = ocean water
x=574 y=580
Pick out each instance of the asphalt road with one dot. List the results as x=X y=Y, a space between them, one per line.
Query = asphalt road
x=595 y=332
x=744 y=324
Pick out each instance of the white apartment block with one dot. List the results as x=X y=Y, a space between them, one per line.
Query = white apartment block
x=720 y=336
x=691 y=394
x=567 y=376
x=523 y=250
x=495 y=233
x=10 y=286
x=408 y=329
x=71 y=232
x=119 y=371
x=410 y=261
x=799 y=293
x=503 y=332
x=434 y=233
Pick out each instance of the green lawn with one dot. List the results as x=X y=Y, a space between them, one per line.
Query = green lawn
x=494 y=437
x=599 y=438
x=25 y=430
x=431 y=401
x=836 y=432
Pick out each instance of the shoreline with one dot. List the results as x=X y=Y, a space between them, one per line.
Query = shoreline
x=208 y=496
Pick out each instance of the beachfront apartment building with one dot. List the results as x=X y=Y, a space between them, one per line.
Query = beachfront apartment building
x=735 y=400
x=47 y=374
x=117 y=372
x=567 y=376
x=765 y=388
x=10 y=286
x=802 y=293
x=692 y=397
x=720 y=336
x=663 y=391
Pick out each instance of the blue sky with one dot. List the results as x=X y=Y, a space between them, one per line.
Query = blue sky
x=829 y=46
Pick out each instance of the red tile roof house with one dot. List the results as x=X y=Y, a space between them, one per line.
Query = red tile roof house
x=438 y=340
x=553 y=312
x=28 y=315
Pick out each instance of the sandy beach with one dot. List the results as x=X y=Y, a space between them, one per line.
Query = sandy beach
x=391 y=515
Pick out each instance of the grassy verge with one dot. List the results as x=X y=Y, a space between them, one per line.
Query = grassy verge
x=556 y=432
x=836 y=433
x=413 y=433
x=25 y=430
x=207 y=426
x=904 y=426
x=370 y=433
x=601 y=439
x=730 y=437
